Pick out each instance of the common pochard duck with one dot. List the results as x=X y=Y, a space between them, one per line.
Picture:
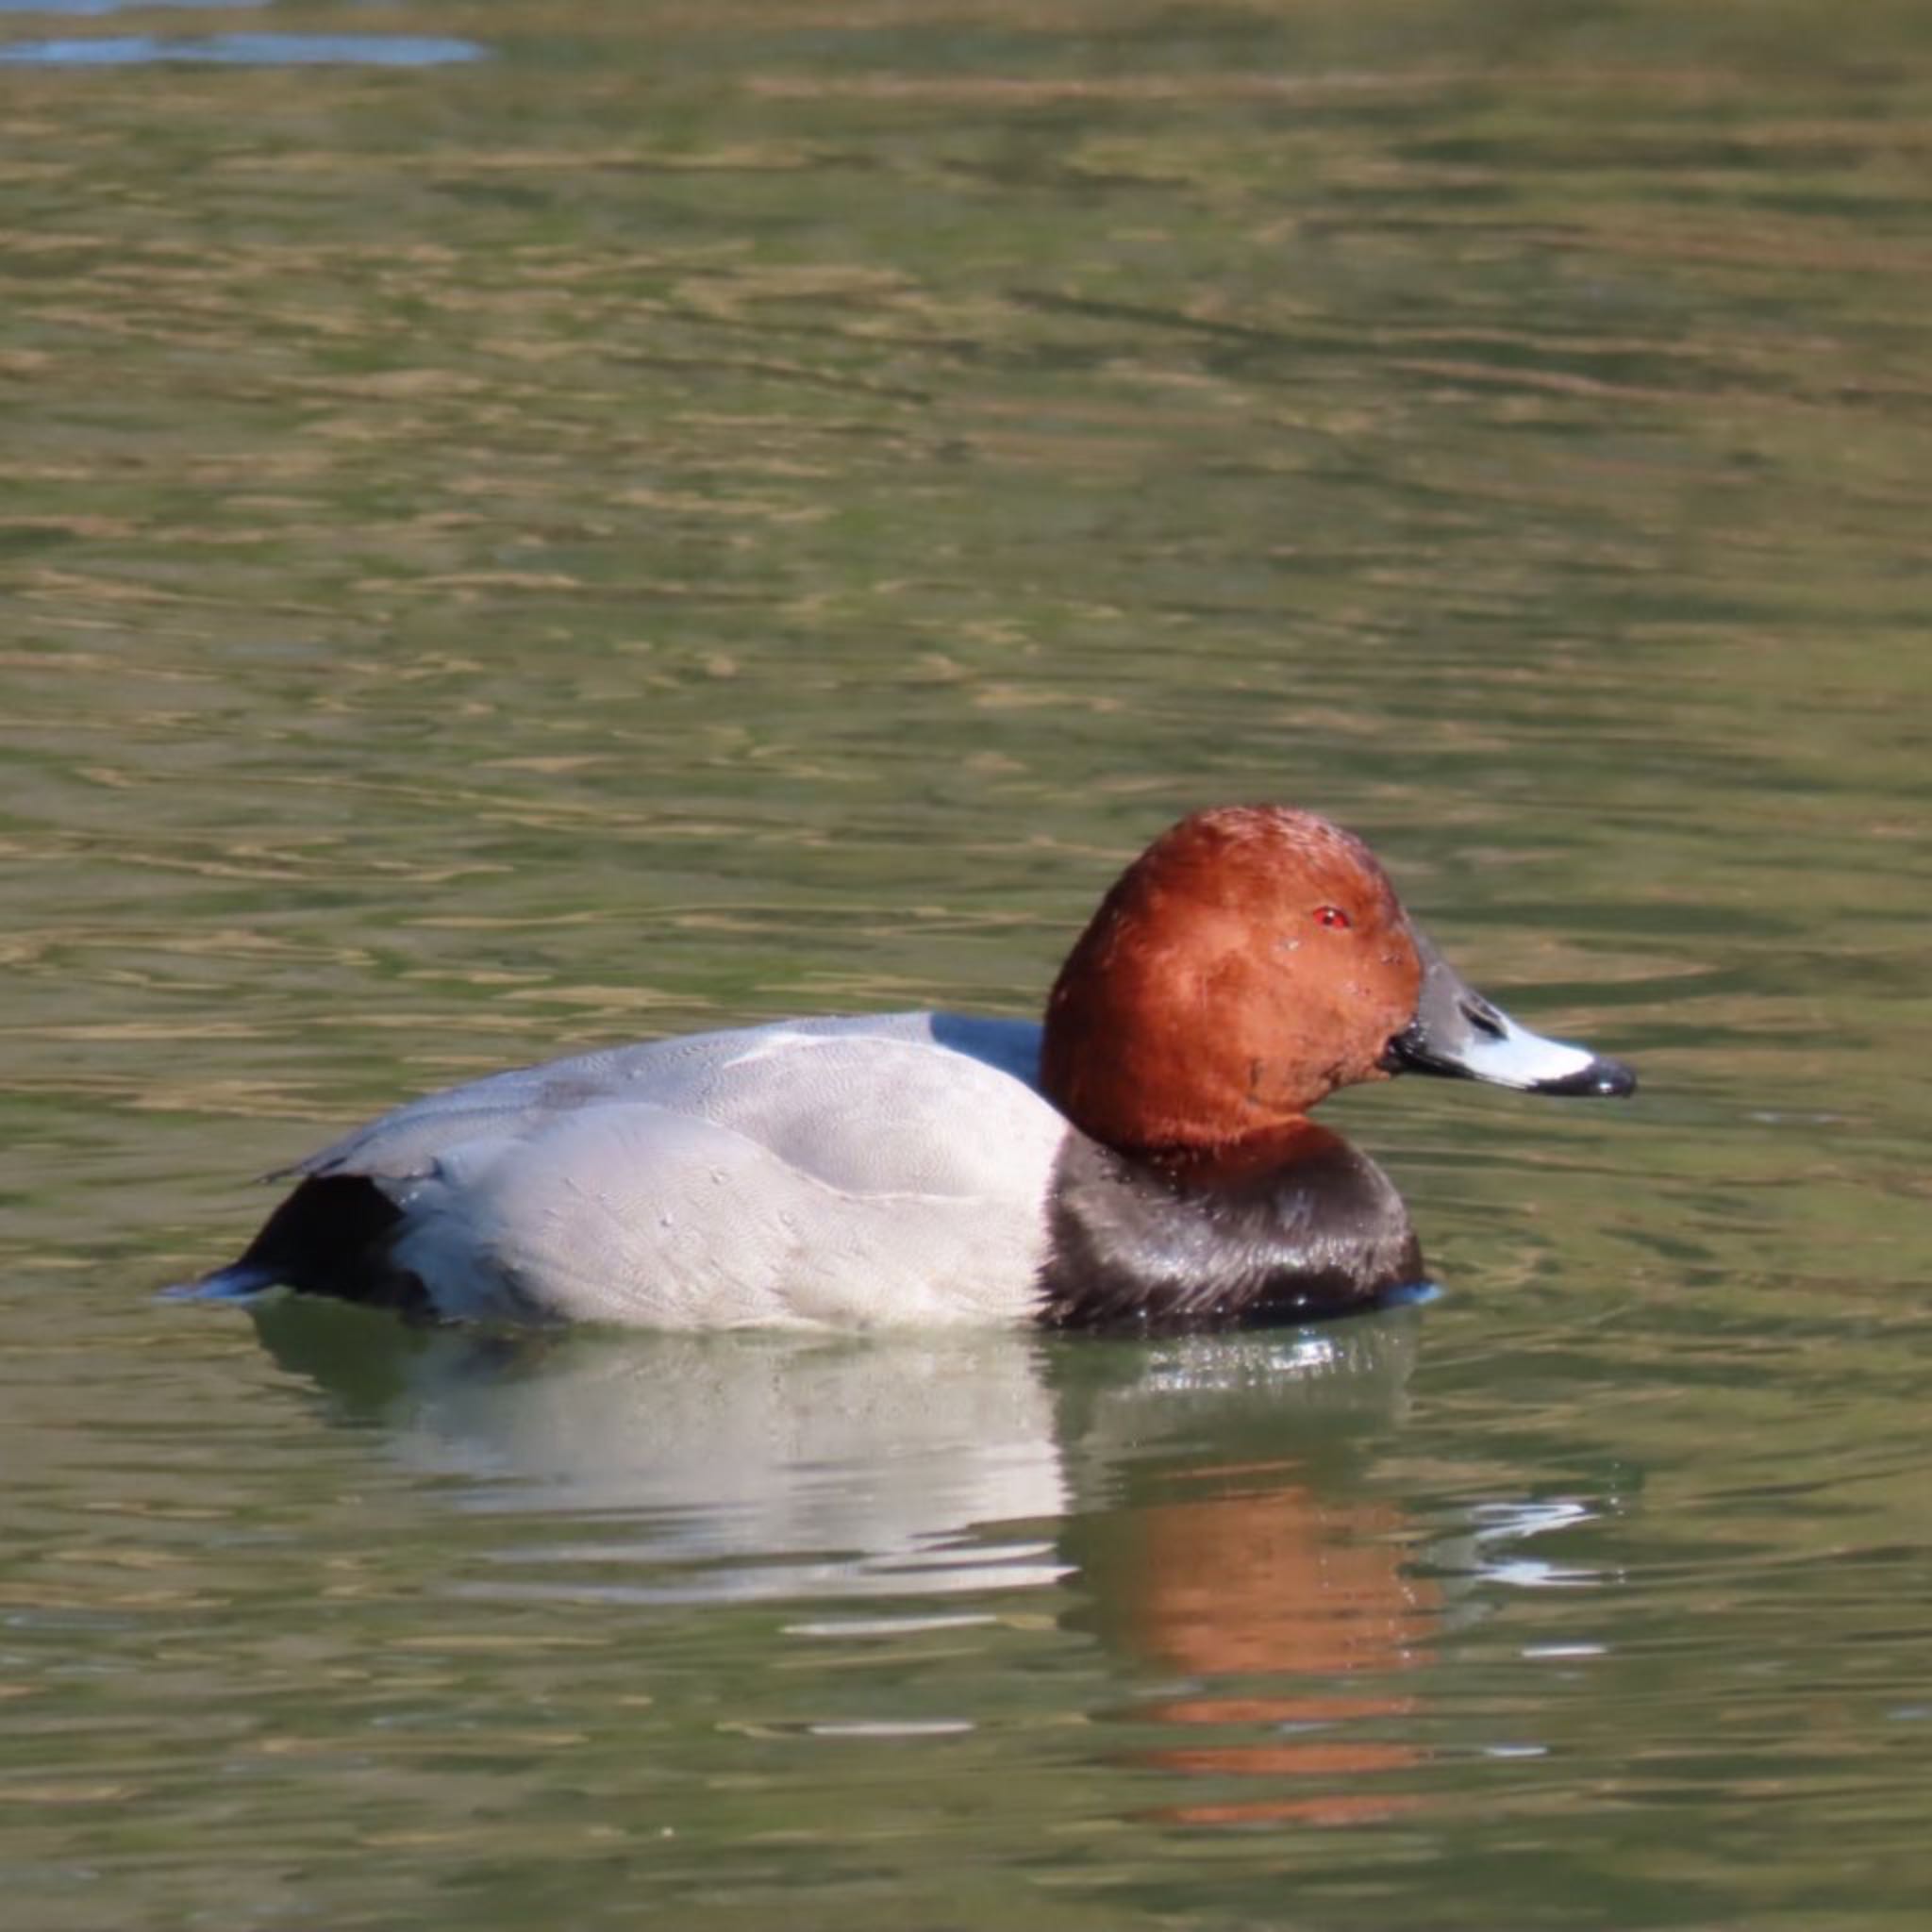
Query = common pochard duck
x=1144 y=1159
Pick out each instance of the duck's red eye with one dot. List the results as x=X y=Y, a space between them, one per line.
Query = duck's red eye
x=1333 y=917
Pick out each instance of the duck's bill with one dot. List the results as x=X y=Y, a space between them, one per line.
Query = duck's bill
x=1459 y=1034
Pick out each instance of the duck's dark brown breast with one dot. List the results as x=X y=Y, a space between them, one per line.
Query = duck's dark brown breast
x=1140 y=1244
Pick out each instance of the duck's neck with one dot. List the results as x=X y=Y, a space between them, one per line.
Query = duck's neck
x=1284 y=1144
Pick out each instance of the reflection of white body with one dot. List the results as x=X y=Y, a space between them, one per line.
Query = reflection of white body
x=823 y=1462
x=787 y=1465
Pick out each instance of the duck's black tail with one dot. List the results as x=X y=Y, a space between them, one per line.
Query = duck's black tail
x=332 y=1236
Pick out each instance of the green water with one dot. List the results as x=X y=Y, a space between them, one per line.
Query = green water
x=708 y=512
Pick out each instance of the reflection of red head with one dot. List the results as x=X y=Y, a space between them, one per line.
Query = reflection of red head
x=1275 y=1584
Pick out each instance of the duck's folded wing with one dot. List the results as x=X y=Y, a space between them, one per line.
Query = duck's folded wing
x=793 y=1071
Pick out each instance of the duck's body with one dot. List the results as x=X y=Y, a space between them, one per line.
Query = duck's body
x=1143 y=1160
x=844 y=1172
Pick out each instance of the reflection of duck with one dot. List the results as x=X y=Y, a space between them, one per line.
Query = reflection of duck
x=893 y=1463
x=1197 y=1501
x=1144 y=1159
x=1253 y=1569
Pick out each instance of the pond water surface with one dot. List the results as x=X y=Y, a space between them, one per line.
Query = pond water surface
x=529 y=524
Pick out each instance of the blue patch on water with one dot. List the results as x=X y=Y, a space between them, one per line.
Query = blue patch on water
x=88 y=9
x=1412 y=1294
x=245 y=50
